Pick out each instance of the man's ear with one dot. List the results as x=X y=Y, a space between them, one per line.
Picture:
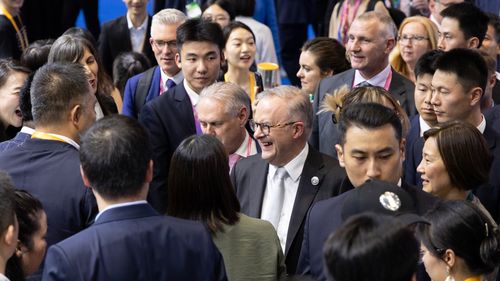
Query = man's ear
x=10 y=236
x=473 y=43
x=86 y=181
x=178 y=60
x=298 y=130
x=243 y=116
x=476 y=95
x=76 y=115
x=340 y=155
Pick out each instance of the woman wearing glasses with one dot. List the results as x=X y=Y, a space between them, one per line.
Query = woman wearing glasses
x=416 y=36
x=219 y=11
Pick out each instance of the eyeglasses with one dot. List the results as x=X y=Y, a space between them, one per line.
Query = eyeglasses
x=215 y=18
x=413 y=38
x=266 y=128
x=160 y=44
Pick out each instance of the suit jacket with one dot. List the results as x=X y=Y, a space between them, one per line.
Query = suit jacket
x=413 y=157
x=325 y=217
x=489 y=194
x=50 y=171
x=115 y=39
x=169 y=120
x=18 y=140
x=249 y=177
x=325 y=134
x=496 y=92
x=130 y=92
x=136 y=243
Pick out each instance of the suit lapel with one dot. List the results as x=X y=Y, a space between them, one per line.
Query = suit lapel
x=123 y=32
x=397 y=88
x=257 y=196
x=184 y=107
x=313 y=167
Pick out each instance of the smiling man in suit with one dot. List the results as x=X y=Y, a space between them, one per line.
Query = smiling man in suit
x=129 y=239
x=172 y=117
x=281 y=183
x=372 y=37
x=125 y=34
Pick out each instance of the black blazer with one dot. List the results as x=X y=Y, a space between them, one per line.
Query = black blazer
x=413 y=153
x=249 y=177
x=115 y=39
x=325 y=134
x=169 y=119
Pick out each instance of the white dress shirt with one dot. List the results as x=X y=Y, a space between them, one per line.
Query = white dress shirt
x=177 y=78
x=137 y=34
x=294 y=169
x=377 y=80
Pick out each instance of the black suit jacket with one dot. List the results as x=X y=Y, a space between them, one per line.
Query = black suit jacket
x=325 y=134
x=249 y=177
x=115 y=39
x=169 y=119
x=413 y=153
x=325 y=217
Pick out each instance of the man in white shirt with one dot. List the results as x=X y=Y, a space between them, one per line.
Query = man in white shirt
x=281 y=183
x=8 y=222
x=223 y=111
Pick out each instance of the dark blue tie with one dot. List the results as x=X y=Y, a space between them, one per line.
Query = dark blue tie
x=170 y=83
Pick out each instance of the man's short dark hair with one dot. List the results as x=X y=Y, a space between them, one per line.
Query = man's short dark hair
x=7 y=203
x=25 y=99
x=372 y=247
x=56 y=87
x=426 y=64
x=471 y=20
x=115 y=155
x=199 y=30
x=468 y=65
x=494 y=21
x=370 y=116
x=36 y=54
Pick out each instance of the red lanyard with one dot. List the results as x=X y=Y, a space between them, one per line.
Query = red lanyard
x=344 y=20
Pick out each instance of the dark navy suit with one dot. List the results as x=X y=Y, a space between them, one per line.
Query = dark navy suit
x=414 y=147
x=131 y=88
x=169 y=120
x=325 y=217
x=136 y=243
x=18 y=140
x=249 y=177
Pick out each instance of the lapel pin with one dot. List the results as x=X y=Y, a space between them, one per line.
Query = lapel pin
x=315 y=180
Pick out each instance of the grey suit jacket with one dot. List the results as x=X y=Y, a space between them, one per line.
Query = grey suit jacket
x=249 y=177
x=325 y=134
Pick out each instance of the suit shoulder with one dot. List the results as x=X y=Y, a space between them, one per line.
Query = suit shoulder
x=327 y=206
x=109 y=25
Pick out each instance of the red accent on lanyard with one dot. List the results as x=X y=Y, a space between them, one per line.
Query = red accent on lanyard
x=344 y=20
x=388 y=80
x=161 y=85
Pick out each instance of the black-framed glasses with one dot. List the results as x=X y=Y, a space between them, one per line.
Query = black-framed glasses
x=413 y=38
x=160 y=44
x=266 y=128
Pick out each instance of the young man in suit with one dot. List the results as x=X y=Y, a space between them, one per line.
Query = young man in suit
x=223 y=111
x=47 y=164
x=372 y=37
x=126 y=33
x=129 y=240
x=172 y=117
x=8 y=223
x=372 y=147
x=150 y=84
x=288 y=176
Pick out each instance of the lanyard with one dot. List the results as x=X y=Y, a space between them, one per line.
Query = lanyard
x=251 y=77
x=344 y=20
x=249 y=146
x=48 y=136
x=21 y=34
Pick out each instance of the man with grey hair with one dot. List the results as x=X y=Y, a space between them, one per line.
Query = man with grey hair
x=148 y=85
x=288 y=176
x=48 y=164
x=371 y=38
x=126 y=33
x=223 y=111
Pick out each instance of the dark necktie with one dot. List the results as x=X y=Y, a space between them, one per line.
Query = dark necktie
x=364 y=84
x=170 y=84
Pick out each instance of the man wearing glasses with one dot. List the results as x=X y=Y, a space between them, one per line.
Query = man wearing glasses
x=463 y=26
x=157 y=80
x=288 y=176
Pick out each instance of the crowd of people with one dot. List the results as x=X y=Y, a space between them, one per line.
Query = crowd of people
x=155 y=151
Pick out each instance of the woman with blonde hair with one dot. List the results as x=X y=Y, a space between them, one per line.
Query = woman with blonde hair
x=416 y=36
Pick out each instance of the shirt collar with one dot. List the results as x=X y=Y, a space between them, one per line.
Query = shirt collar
x=177 y=78
x=61 y=138
x=423 y=126
x=27 y=130
x=243 y=149
x=113 y=206
x=143 y=26
x=377 y=80
x=482 y=126
x=295 y=166
x=193 y=96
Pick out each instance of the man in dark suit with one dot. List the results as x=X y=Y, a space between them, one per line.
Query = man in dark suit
x=424 y=120
x=372 y=147
x=459 y=85
x=172 y=117
x=125 y=34
x=48 y=165
x=491 y=45
x=223 y=111
x=129 y=239
x=281 y=183
x=148 y=85
x=371 y=39
x=9 y=228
